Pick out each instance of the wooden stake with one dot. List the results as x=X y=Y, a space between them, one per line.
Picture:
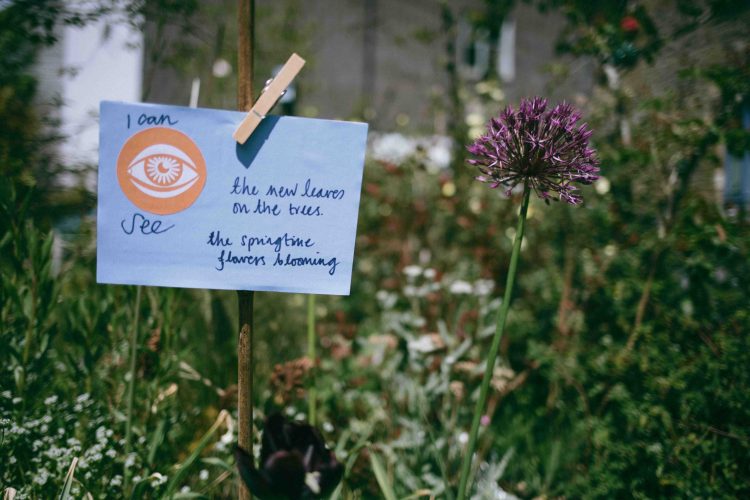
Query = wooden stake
x=245 y=38
x=245 y=378
x=246 y=35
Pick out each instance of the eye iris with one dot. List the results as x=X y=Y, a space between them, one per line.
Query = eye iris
x=163 y=170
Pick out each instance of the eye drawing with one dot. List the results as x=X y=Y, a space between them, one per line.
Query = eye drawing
x=162 y=171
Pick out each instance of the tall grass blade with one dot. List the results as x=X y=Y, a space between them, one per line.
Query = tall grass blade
x=65 y=493
x=183 y=468
x=382 y=477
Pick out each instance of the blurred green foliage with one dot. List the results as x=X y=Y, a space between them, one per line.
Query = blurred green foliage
x=624 y=370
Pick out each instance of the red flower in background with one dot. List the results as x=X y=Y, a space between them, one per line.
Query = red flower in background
x=629 y=24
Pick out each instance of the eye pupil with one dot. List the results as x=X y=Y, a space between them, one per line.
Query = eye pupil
x=163 y=170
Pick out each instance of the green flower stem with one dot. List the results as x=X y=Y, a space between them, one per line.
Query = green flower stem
x=131 y=381
x=311 y=393
x=502 y=315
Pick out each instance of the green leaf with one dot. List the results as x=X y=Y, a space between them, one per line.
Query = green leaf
x=337 y=492
x=382 y=477
x=183 y=468
x=139 y=489
x=156 y=440
x=217 y=462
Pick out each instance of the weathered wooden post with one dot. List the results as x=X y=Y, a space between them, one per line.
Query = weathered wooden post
x=245 y=39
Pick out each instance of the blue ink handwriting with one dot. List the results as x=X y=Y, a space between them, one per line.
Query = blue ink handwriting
x=146 y=226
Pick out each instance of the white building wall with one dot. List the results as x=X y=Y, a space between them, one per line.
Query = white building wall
x=100 y=61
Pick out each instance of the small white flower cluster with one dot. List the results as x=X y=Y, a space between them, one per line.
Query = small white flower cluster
x=417 y=287
x=420 y=281
x=226 y=439
x=41 y=443
x=480 y=288
x=157 y=479
x=433 y=151
x=488 y=479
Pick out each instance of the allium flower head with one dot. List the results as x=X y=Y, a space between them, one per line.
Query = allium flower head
x=547 y=149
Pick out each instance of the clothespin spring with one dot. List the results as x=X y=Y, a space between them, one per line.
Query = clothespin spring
x=265 y=87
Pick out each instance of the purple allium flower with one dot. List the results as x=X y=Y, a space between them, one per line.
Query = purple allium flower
x=294 y=463
x=549 y=150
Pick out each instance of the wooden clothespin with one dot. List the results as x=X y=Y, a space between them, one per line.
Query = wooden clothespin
x=272 y=92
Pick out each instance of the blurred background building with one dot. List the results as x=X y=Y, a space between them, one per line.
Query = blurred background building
x=391 y=62
x=425 y=70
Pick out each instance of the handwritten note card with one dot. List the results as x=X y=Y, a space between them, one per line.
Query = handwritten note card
x=182 y=204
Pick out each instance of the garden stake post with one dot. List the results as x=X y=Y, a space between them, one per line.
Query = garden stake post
x=311 y=393
x=246 y=32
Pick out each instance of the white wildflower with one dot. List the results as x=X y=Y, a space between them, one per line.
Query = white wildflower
x=41 y=477
x=157 y=479
x=483 y=288
x=394 y=148
x=438 y=153
x=412 y=271
x=426 y=343
x=387 y=300
x=460 y=287
x=227 y=437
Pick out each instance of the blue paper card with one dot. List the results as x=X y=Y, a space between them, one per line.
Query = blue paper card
x=182 y=204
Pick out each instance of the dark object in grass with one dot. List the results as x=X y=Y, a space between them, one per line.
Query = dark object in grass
x=295 y=463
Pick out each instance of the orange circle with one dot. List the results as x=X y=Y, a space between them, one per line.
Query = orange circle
x=161 y=170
